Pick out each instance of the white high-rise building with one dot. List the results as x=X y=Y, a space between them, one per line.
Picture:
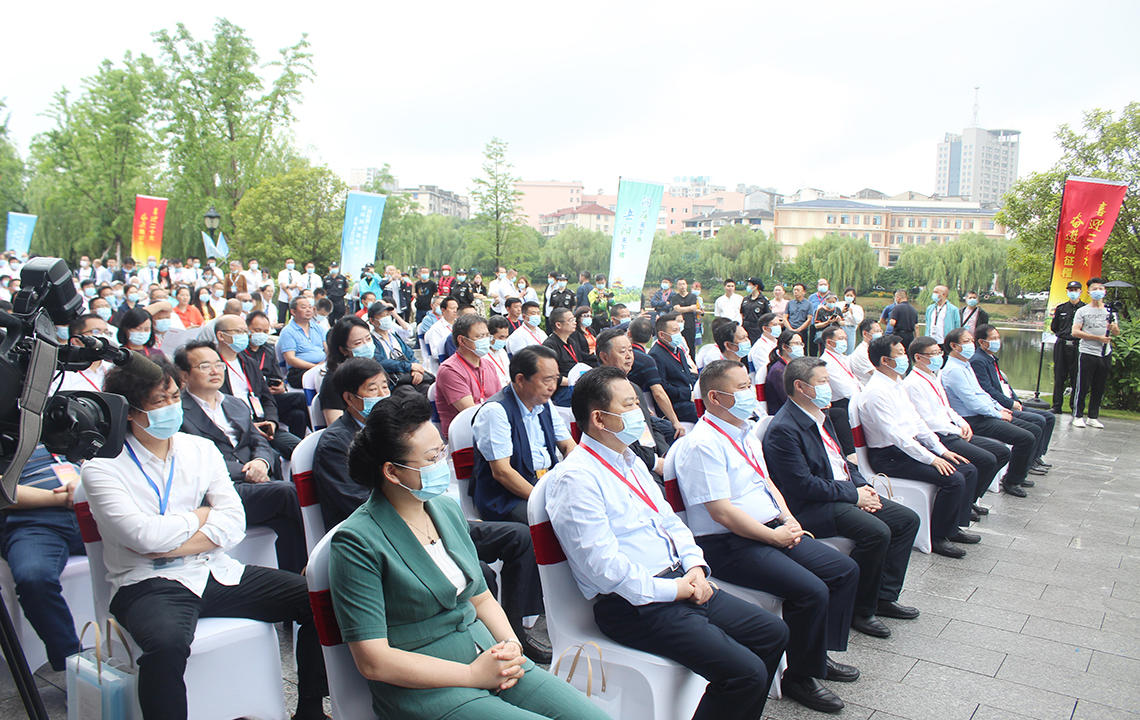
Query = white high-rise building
x=979 y=165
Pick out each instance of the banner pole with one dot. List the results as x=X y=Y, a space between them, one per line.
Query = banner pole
x=1052 y=271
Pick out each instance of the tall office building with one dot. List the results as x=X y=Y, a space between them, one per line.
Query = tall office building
x=979 y=165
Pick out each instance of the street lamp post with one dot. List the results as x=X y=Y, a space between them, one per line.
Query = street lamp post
x=213 y=221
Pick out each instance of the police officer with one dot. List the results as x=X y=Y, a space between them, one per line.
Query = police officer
x=753 y=307
x=336 y=287
x=461 y=288
x=562 y=295
x=1065 y=349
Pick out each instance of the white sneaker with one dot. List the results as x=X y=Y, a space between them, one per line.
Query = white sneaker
x=1094 y=423
x=1079 y=422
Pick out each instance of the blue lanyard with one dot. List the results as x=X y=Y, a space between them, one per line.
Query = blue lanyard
x=163 y=500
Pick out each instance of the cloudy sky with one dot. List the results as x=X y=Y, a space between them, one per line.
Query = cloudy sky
x=836 y=95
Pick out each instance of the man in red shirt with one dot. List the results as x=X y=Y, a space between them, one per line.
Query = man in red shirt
x=463 y=379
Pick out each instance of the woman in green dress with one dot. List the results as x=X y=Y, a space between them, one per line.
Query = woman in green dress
x=408 y=594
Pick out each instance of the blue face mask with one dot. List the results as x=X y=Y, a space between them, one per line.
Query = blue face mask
x=386 y=323
x=967 y=350
x=151 y=264
x=830 y=305
x=1096 y=294
x=164 y=422
x=498 y=345
x=534 y=320
x=841 y=347
x=434 y=481
x=775 y=330
x=89 y=292
x=795 y=351
x=482 y=346
x=972 y=302
x=633 y=426
x=1074 y=295
x=902 y=364
x=665 y=286
x=139 y=338
x=935 y=297
x=935 y=363
x=370 y=403
x=586 y=321
x=258 y=339
x=62 y=333
x=822 y=395
x=676 y=340
x=162 y=325
x=745 y=346
x=875 y=336
x=240 y=342
x=366 y=350
x=246 y=306
x=133 y=297
x=104 y=313
x=744 y=403
x=995 y=345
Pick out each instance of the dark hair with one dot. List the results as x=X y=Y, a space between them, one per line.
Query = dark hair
x=865 y=325
x=800 y=369
x=728 y=280
x=717 y=322
x=497 y=322
x=324 y=304
x=79 y=324
x=338 y=338
x=714 y=374
x=511 y=301
x=662 y=320
x=605 y=339
x=443 y=303
x=182 y=356
x=366 y=294
x=560 y=314
x=525 y=361
x=831 y=331
x=801 y=285
x=725 y=333
x=254 y=315
x=1094 y=281
x=353 y=373
x=641 y=330
x=530 y=304
x=582 y=310
x=132 y=319
x=766 y=319
x=464 y=306
x=850 y=289
x=120 y=381
x=593 y=392
x=599 y=277
x=881 y=347
x=954 y=336
x=294 y=301
x=385 y=437
x=781 y=343
x=919 y=344
x=982 y=332
x=463 y=326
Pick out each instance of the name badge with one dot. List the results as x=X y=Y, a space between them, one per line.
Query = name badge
x=255 y=403
x=65 y=473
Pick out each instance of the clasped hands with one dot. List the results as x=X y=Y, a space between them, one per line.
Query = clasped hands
x=498 y=668
x=694 y=586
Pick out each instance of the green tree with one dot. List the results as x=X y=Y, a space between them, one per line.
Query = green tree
x=401 y=223
x=496 y=228
x=1107 y=146
x=90 y=166
x=674 y=256
x=439 y=239
x=13 y=175
x=299 y=214
x=576 y=249
x=842 y=260
x=222 y=128
x=738 y=252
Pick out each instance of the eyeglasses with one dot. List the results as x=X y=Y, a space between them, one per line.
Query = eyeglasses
x=436 y=458
x=207 y=366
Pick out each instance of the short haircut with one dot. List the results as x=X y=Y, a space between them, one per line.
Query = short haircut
x=513 y=301
x=619 y=306
x=971 y=292
x=79 y=324
x=606 y=339
x=955 y=336
x=831 y=331
x=464 y=306
x=497 y=322
x=297 y=300
x=368 y=294
x=449 y=299
x=120 y=381
x=717 y=321
x=132 y=319
x=463 y=326
x=715 y=375
x=982 y=332
x=641 y=330
x=530 y=304
x=801 y=286
x=255 y=315
x=385 y=437
x=525 y=361
x=882 y=347
x=663 y=320
x=865 y=325
x=919 y=344
x=182 y=357
x=800 y=369
x=1095 y=281
x=594 y=391
x=353 y=373
x=729 y=280
x=726 y=333
x=324 y=304
x=766 y=319
x=560 y=314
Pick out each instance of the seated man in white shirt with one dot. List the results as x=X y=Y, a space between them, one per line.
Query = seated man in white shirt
x=843 y=384
x=901 y=444
x=858 y=361
x=528 y=333
x=437 y=334
x=770 y=328
x=630 y=553
x=750 y=538
x=167 y=513
x=91 y=377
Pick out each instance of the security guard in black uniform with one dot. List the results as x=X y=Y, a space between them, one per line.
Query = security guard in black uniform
x=752 y=308
x=562 y=295
x=461 y=288
x=336 y=287
x=1065 y=349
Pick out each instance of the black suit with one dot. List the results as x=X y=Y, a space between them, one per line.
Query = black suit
x=274 y=503
x=825 y=506
x=291 y=406
x=1038 y=422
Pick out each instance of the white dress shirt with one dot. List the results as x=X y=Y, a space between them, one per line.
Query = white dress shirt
x=502 y=365
x=126 y=509
x=709 y=353
x=889 y=418
x=239 y=385
x=759 y=353
x=437 y=336
x=524 y=337
x=492 y=432
x=929 y=399
x=218 y=416
x=728 y=307
x=835 y=456
x=499 y=291
x=614 y=541
x=840 y=377
x=709 y=468
x=937 y=323
x=287 y=277
x=860 y=364
x=90 y=379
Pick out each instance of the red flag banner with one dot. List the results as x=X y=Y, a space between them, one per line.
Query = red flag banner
x=146 y=237
x=1089 y=207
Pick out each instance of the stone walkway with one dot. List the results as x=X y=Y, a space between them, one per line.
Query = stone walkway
x=1041 y=620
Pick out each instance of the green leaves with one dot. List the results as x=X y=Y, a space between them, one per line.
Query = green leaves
x=495 y=234
x=299 y=214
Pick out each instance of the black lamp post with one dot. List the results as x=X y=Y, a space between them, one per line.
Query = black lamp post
x=213 y=222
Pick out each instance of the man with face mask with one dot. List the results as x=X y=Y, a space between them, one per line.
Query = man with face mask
x=941 y=315
x=461 y=288
x=662 y=300
x=562 y=297
x=1065 y=348
x=466 y=379
x=673 y=366
x=91 y=377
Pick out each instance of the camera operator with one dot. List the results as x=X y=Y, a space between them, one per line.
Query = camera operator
x=1094 y=325
x=90 y=378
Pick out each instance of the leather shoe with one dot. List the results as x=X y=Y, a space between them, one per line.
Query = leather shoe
x=537 y=653
x=871 y=625
x=1014 y=490
x=1036 y=470
x=980 y=509
x=1027 y=483
x=891 y=609
x=811 y=694
x=964 y=537
x=838 y=672
x=1041 y=463
x=974 y=516
x=944 y=547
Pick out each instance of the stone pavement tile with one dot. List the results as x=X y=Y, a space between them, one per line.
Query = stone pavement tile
x=939 y=650
x=1109 y=642
x=1099 y=557
x=1008 y=556
x=1000 y=694
x=939 y=587
x=54 y=699
x=985 y=712
x=1004 y=521
x=1013 y=643
x=1086 y=686
x=1110 y=519
x=1087 y=710
x=1127 y=608
x=1126 y=590
x=1090 y=600
x=1033 y=606
x=880 y=715
x=1010 y=620
x=1121 y=625
x=1115 y=667
x=971 y=578
x=907 y=701
x=785 y=709
x=928 y=623
x=1052 y=577
x=876 y=664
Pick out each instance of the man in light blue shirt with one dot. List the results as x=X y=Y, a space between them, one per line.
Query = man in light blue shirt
x=630 y=552
x=302 y=342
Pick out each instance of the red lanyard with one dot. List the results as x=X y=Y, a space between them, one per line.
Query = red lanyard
x=678 y=356
x=1000 y=376
x=571 y=351
x=940 y=398
x=755 y=465
x=242 y=374
x=476 y=375
x=89 y=382
x=849 y=373
x=636 y=488
x=491 y=357
x=526 y=326
x=834 y=446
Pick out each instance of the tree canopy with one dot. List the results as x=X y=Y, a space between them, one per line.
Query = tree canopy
x=299 y=214
x=495 y=232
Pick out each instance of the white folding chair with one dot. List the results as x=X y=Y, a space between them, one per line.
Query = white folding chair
x=311 y=383
x=916 y=495
x=76 y=583
x=461 y=442
x=234 y=668
x=302 y=470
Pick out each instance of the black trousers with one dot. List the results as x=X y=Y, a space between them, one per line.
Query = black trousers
x=161 y=616
x=988 y=456
x=1044 y=420
x=1014 y=433
x=842 y=422
x=1064 y=373
x=293 y=412
x=883 y=540
x=907 y=337
x=510 y=542
x=730 y=642
x=1092 y=379
x=955 y=491
x=282 y=312
x=274 y=504
x=817 y=583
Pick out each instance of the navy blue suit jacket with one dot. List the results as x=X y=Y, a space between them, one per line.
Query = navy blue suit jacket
x=677 y=380
x=985 y=368
x=798 y=463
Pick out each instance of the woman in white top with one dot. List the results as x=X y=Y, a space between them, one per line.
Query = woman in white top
x=852 y=316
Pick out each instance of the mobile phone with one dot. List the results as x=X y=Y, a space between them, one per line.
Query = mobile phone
x=273 y=382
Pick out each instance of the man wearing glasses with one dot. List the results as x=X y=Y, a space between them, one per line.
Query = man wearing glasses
x=90 y=378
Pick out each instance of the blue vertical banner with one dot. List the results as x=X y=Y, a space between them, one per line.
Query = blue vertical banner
x=638 y=205
x=20 y=228
x=362 y=215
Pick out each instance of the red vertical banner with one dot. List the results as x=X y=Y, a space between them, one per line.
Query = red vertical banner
x=146 y=235
x=1089 y=207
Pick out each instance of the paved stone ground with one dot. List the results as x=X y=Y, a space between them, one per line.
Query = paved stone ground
x=1041 y=620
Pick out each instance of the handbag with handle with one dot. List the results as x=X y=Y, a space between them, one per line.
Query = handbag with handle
x=102 y=688
x=579 y=649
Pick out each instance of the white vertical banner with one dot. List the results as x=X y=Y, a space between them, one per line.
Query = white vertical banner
x=638 y=205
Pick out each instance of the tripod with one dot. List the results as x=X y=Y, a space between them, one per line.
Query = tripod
x=18 y=664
